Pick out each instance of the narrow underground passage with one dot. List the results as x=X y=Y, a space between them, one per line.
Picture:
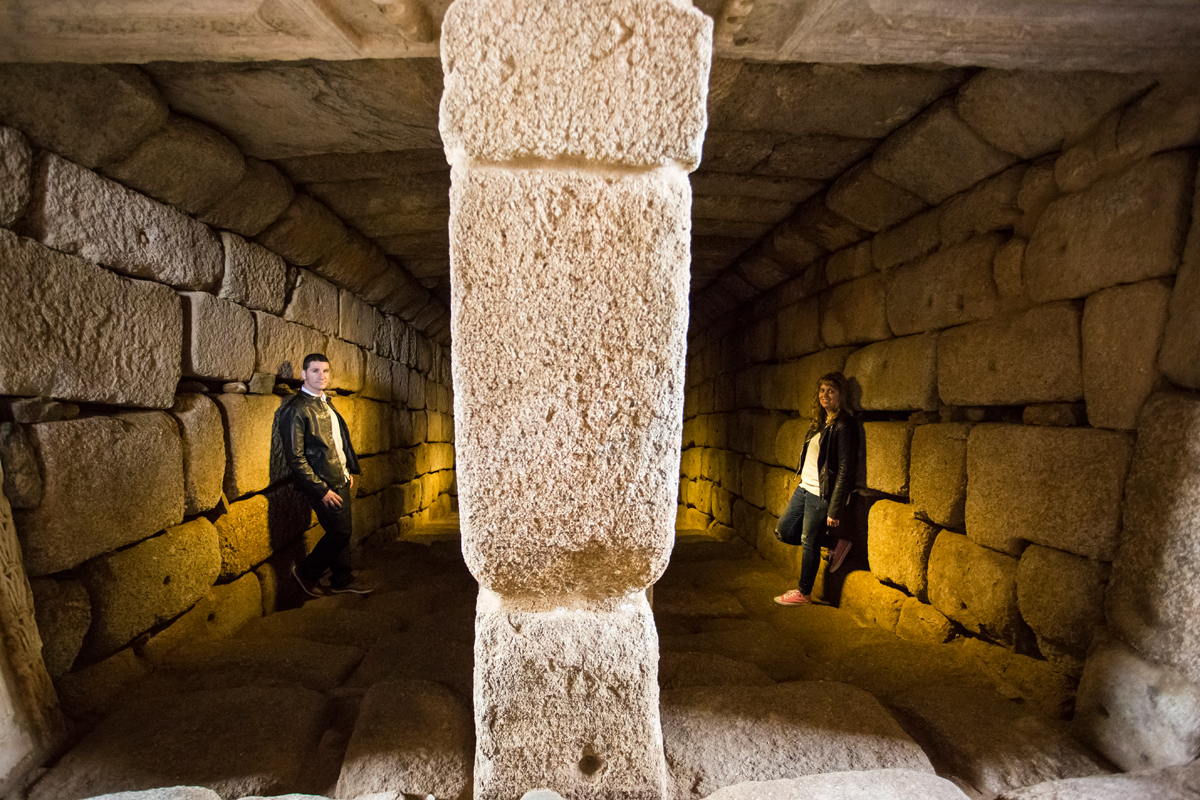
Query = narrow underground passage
x=1003 y=263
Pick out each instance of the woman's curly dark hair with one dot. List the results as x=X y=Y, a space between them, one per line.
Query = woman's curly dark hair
x=838 y=381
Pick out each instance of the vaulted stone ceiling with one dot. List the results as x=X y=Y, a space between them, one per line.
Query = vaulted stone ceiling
x=355 y=123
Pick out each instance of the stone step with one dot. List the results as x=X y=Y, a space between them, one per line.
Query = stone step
x=335 y=626
x=877 y=784
x=243 y=662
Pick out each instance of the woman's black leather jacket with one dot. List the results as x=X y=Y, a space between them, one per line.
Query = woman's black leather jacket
x=837 y=461
x=307 y=434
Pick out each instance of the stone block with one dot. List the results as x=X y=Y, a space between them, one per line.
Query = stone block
x=1062 y=415
x=305 y=232
x=313 y=302
x=923 y=623
x=1028 y=357
x=867 y=785
x=792 y=386
x=937 y=473
x=1121 y=332
x=517 y=547
x=357 y=321
x=133 y=590
x=203 y=438
x=218 y=338
x=937 y=155
x=254 y=276
x=789 y=442
x=765 y=431
x=22 y=485
x=16 y=175
x=413 y=737
x=915 y=238
x=253 y=450
x=888 y=446
x=90 y=114
x=991 y=206
x=1007 y=272
x=280 y=346
x=254 y=203
x=369 y=424
x=95 y=691
x=849 y=263
x=345 y=364
x=73 y=331
x=1138 y=714
x=896 y=375
x=869 y=601
x=63 y=612
x=869 y=201
x=377 y=377
x=1033 y=113
x=367 y=517
x=219 y=614
x=604 y=729
x=1062 y=598
x=77 y=211
x=1123 y=229
x=184 y=164
x=1038 y=191
x=1038 y=682
x=855 y=312
x=950 y=287
x=898 y=546
x=1179 y=357
x=107 y=482
x=1059 y=487
x=815 y=222
x=417 y=398
x=798 y=329
x=798 y=716
x=778 y=486
x=601 y=111
x=252 y=529
x=976 y=587
x=1153 y=597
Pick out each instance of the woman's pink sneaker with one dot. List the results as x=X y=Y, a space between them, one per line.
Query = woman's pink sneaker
x=793 y=598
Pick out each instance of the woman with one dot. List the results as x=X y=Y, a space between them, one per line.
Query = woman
x=828 y=470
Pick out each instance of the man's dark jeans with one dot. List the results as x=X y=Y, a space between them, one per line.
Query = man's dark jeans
x=333 y=551
x=805 y=515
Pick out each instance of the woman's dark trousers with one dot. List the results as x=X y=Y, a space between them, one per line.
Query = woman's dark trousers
x=806 y=514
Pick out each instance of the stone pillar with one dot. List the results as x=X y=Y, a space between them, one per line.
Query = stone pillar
x=570 y=127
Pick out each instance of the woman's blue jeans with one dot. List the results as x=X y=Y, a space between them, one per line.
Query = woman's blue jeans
x=809 y=512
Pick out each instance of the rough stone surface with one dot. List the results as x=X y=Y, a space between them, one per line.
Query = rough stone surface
x=203 y=451
x=937 y=472
x=90 y=114
x=313 y=302
x=1122 y=329
x=948 y=288
x=1030 y=357
x=134 y=589
x=1173 y=783
x=869 y=201
x=254 y=203
x=1062 y=598
x=219 y=614
x=888 y=446
x=975 y=587
x=896 y=375
x=609 y=93
x=923 y=623
x=337 y=626
x=227 y=663
x=917 y=237
x=184 y=164
x=232 y=748
x=1139 y=714
x=371 y=430
x=991 y=206
x=377 y=378
x=305 y=232
x=218 y=338
x=991 y=743
x=86 y=511
x=1153 y=596
x=680 y=670
x=252 y=529
x=22 y=477
x=540 y=722
x=16 y=173
x=1123 y=229
x=873 y=784
x=792 y=386
x=79 y=212
x=345 y=362
x=280 y=347
x=713 y=735
x=898 y=546
x=1179 y=357
x=94 y=692
x=1059 y=487
x=64 y=614
x=254 y=276
x=938 y=155
x=855 y=312
x=510 y=545
x=253 y=451
x=412 y=737
x=1038 y=682
x=870 y=601
x=849 y=263
x=77 y=332
x=1034 y=113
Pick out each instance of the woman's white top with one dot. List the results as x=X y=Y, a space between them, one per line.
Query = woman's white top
x=810 y=478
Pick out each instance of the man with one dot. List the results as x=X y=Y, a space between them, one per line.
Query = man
x=323 y=463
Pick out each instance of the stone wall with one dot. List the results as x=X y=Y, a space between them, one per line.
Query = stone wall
x=160 y=291
x=1010 y=281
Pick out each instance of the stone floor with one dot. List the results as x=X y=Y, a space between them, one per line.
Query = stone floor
x=345 y=696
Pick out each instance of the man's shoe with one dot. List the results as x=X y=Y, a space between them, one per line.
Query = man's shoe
x=838 y=554
x=793 y=598
x=309 y=587
x=353 y=587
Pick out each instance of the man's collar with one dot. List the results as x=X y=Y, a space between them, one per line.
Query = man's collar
x=320 y=396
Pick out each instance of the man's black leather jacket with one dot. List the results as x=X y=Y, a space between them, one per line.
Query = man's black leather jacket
x=307 y=432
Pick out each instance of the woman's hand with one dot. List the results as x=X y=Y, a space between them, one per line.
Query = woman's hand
x=831 y=522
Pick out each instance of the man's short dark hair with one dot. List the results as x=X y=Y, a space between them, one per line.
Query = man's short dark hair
x=311 y=357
